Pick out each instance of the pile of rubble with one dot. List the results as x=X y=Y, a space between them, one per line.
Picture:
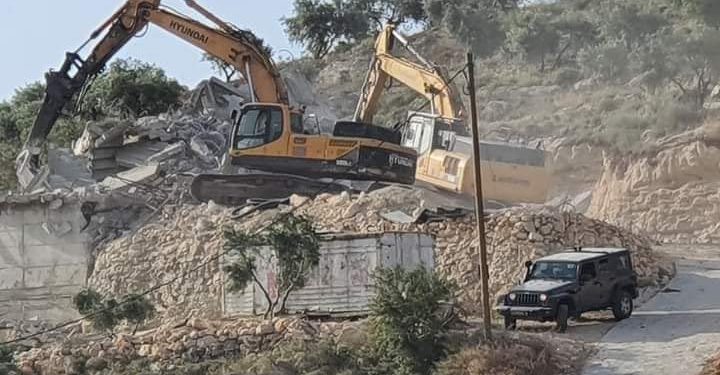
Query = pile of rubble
x=191 y=341
x=671 y=194
x=178 y=142
x=184 y=237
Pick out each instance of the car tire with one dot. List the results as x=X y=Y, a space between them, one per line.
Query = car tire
x=561 y=318
x=622 y=305
x=510 y=323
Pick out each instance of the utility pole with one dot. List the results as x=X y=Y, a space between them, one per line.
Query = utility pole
x=479 y=205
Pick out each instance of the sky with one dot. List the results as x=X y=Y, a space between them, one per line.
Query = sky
x=35 y=34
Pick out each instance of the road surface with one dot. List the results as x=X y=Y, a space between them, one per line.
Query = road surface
x=673 y=333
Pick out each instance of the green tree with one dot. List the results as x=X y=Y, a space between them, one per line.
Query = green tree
x=475 y=23
x=136 y=310
x=321 y=25
x=609 y=60
x=695 y=63
x=533 y=33
x=131 y=88
x=407 y=321
x=707 y=10
x=107 y=313
x=631 y=22
x=221 y=67
x=103 y=313
x=7 y=360
x=294 y=245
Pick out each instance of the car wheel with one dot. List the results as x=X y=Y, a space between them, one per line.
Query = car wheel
x=510 y=323
x=561 y=318
x=622 y=305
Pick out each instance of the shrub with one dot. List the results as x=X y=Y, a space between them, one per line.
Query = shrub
x=566 y=77
x=407 y=325
x=106 y=314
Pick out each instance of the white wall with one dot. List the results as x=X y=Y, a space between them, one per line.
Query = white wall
x=43 y=260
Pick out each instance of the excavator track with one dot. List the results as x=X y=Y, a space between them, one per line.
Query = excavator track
x=236 y=189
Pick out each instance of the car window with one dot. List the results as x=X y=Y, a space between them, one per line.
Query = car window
x=624 y=261
x=603 y=266
x=588 y=269
x=554 y=270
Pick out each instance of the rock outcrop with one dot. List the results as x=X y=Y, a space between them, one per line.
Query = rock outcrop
x=673 y=195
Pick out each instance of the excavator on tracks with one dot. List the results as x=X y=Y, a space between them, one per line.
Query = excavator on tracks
x=268 y=142
x=512 y=173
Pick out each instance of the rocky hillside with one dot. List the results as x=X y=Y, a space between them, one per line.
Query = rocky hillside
x=671 y=194
x=576 y=116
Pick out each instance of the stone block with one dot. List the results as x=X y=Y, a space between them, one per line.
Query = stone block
x=48 y=255
x=10 y=248
x=61 y=275
x=11 y=278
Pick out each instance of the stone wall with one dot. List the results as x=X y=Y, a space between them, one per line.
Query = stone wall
x=43 y=259
x=190 y=341
x=184 y=237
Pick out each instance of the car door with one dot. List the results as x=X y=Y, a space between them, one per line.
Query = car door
x=607 y=278
x=590 y=287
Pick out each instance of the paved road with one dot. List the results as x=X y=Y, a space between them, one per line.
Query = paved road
x=674 y=333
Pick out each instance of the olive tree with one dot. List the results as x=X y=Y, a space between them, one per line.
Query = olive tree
x=294 y=247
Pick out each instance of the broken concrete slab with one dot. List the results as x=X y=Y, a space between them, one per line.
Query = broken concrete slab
x=129 y=177
x=167 y=153
x=137 y=154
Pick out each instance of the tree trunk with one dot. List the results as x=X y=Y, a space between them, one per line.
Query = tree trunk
x=266 y=294
x=560 y=55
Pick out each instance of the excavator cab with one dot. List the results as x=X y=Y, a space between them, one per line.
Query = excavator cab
x=425 y=132
x=257 y=126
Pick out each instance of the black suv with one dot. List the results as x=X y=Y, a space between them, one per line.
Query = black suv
x=570 y=283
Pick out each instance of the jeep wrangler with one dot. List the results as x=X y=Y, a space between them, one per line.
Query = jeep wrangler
x=567 y=284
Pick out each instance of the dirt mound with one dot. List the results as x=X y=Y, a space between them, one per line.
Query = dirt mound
x=671 y=195
x=183 y=237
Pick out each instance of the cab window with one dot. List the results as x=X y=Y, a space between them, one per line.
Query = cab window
x=296 y=123
x=258 y=126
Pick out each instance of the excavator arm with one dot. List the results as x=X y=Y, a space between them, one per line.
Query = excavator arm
x=227 y=43
x=425 y=79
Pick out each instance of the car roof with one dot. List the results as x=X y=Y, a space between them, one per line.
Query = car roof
x=571 y=255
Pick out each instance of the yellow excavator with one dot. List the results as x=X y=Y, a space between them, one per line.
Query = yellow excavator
x=268 y=141
x=512 y=174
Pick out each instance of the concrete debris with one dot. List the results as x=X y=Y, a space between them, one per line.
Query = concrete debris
x=217 y=98
x=132 y=176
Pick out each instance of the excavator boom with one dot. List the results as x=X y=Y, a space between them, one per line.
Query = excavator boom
x=268 y=137
x=514 y=174
x=426 y=79
x=233 y=46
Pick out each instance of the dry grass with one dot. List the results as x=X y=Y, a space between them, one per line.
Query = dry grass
x=517 y=355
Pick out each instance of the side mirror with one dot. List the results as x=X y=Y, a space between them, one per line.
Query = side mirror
x=528 y=264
